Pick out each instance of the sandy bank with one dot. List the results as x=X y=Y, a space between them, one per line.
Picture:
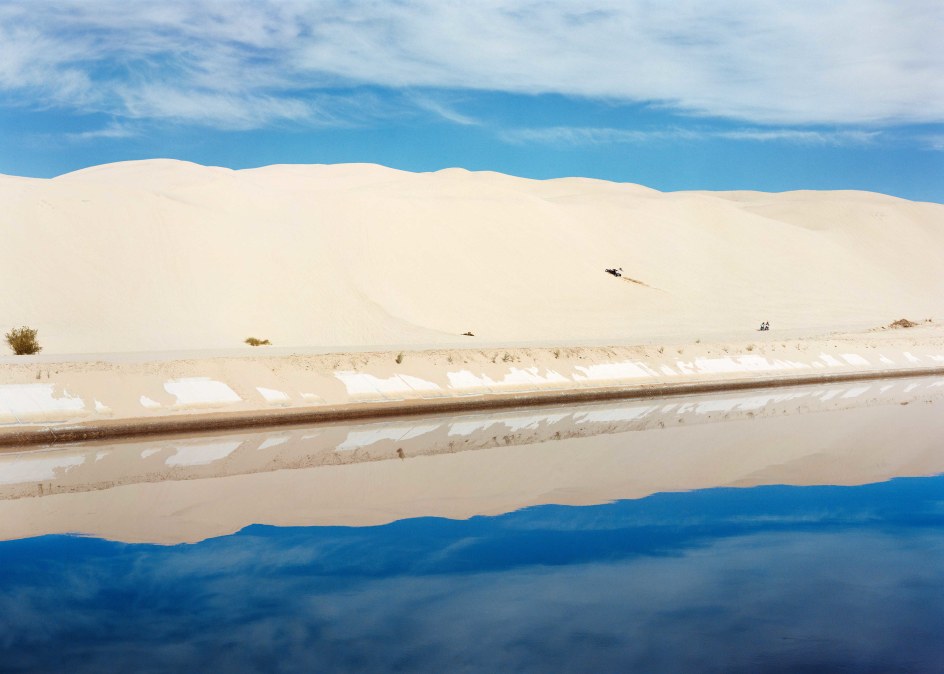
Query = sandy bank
x=44 y=402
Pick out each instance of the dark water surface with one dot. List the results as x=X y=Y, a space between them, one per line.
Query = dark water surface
x=791 y=579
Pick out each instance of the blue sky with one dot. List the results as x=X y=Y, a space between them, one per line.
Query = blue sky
x=734 y=94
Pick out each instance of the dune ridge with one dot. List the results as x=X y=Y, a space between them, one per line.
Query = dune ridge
x=166 y=255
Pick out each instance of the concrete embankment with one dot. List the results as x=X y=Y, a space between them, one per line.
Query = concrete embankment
x=48 y=402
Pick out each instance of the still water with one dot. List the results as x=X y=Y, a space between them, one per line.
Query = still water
x=789 y=530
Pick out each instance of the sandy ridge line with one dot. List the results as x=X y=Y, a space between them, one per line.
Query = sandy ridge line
x=14 y=438
x=414 y=260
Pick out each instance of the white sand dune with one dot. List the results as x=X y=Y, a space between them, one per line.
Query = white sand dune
x=168 y=255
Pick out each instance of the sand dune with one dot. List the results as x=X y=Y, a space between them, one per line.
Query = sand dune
x=160 y=254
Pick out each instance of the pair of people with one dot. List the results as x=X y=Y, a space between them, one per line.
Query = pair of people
x=765 y=325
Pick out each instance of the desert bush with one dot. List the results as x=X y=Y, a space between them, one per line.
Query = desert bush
x=252 y=341
x=399 y=358
x=902 y=323
x=23 y=341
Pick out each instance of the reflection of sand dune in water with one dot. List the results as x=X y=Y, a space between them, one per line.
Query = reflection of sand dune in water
x=172 y=490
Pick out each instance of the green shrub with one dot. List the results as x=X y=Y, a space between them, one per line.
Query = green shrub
x=23 y=341
x=252 y=341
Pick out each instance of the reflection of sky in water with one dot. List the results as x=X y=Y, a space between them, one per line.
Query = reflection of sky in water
x=722 y=580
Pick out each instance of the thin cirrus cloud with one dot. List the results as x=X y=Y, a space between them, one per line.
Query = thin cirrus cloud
x=232 y=110
x=587 y=136
x=935 y=142
x=252 y=63
x=113 y=130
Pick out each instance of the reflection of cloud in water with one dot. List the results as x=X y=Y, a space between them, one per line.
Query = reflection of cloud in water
x=745 y=583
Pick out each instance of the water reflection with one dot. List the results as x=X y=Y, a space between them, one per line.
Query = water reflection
x=719 y=580
x=171 y=490
x=651 y=560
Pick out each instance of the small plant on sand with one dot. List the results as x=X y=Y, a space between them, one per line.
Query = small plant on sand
x=23 y=341
x=750 y=347
x=252 y=341
x=399 y=358
x=507 y=358
x=902 y=323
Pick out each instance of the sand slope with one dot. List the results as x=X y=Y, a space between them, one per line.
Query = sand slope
x=161 y=254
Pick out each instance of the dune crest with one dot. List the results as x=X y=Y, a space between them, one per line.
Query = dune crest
x=169 y=255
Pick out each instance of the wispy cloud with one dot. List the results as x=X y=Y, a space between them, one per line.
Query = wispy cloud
x=580 y=136
x=584 y=136
x=934 y=142
x=231 y=110
x=446 y=112
x=249 y=63
x=110 y=131
x=803 y=137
